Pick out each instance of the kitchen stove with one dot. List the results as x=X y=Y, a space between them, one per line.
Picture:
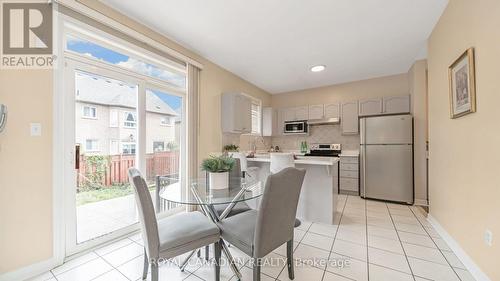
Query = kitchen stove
x=325 y=150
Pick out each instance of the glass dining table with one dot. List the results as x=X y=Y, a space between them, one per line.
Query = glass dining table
x=206 y=198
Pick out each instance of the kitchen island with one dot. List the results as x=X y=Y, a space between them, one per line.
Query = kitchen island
x=318 y=198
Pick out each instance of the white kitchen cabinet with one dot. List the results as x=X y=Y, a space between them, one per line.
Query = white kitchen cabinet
x=296 y=113
x=369 y=107
x=236 y=113
x=398 y=104
x=289 y=114
x=332 y=110
x=349 y=118
x=316 y=112
x=302 y=113
x=269 y=122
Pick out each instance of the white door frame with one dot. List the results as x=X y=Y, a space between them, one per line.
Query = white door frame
x=70 y=175
x=64 y=121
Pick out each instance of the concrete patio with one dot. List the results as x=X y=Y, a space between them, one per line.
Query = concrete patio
x=103 y=217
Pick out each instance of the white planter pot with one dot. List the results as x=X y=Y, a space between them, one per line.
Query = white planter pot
x=218 y=180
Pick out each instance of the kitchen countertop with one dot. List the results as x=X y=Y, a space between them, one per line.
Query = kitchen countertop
x=323 y=161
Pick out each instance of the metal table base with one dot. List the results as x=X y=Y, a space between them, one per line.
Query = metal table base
x=209 y=211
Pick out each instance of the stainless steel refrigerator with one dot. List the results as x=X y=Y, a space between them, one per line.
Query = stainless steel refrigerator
x=386 y=158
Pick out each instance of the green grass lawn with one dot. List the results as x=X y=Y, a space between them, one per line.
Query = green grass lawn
x=104 y=193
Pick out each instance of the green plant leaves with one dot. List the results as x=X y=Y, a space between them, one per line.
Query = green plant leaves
x=218 y=164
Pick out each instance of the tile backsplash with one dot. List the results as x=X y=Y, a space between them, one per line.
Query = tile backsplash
x=245 y=142
x=318 y=134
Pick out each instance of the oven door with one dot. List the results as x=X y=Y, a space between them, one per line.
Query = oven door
x=295 y=127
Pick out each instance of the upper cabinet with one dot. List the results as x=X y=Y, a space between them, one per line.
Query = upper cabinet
x=280 y=124
x=348 y=112
x=349 y=118
x=316 y=112
x=398 y=104
x=332 y=110
x=369 y=107
x=289 y=114
x=296 y=113
x=302 y=113
x=236 y=113
x=270 y=126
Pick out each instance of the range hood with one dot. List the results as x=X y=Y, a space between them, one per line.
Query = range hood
x=327 y=121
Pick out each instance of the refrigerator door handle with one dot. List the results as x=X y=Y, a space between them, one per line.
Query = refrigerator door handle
x=363 y=154
x=364 y=170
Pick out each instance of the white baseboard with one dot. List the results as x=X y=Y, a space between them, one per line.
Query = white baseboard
x=421 y=202
x=471 y=266
x=30 y=270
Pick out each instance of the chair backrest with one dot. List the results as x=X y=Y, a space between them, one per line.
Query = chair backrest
x=243 y=160
x=280 y=161
x=278 y=207
x=235 y=173
x=147 y=217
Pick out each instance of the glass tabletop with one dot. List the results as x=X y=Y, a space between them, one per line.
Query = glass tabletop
x=247 y=188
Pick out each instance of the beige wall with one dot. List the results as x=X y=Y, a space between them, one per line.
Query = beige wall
x=417 y=79
x=464 y=152
x=26 y=163
x=378 y=87
x=25 y=169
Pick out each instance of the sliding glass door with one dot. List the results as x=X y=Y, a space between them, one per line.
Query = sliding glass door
x=116 y=118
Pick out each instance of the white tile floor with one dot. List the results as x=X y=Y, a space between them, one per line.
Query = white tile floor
x=374 y=241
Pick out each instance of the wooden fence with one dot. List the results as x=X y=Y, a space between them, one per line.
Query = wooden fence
x=115 y=170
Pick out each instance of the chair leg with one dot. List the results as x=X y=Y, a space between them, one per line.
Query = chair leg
x=207 y=253
x=217 y=252
x=198 y=253
x=289 y=259
x=256 y=270
x=154 y=272
x=146 y=266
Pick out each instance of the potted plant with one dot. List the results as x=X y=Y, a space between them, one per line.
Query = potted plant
x=231 y=148
x=218 y=168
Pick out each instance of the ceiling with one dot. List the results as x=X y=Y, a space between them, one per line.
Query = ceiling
x=273 y=43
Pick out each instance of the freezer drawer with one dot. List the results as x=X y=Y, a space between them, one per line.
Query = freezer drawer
x=387 y=172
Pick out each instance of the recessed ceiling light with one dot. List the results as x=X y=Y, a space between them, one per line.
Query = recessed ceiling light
x=318 y=68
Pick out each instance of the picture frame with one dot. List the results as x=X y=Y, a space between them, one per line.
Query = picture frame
x=462 y=80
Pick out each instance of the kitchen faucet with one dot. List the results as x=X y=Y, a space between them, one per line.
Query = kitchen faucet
x=254 y=143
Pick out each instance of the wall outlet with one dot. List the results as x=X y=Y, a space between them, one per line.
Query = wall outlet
x=488 y=237
x=35 y=129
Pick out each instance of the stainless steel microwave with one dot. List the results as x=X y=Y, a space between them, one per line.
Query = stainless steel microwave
x=295 y=127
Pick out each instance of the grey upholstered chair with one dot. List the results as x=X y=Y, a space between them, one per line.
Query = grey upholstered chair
x=257 y=233
x=171 y=236
x=280 y=161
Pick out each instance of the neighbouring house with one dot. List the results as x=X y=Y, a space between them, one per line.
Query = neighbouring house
x=106 y=118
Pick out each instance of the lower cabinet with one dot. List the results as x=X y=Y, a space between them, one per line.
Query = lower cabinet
x=349 y=174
